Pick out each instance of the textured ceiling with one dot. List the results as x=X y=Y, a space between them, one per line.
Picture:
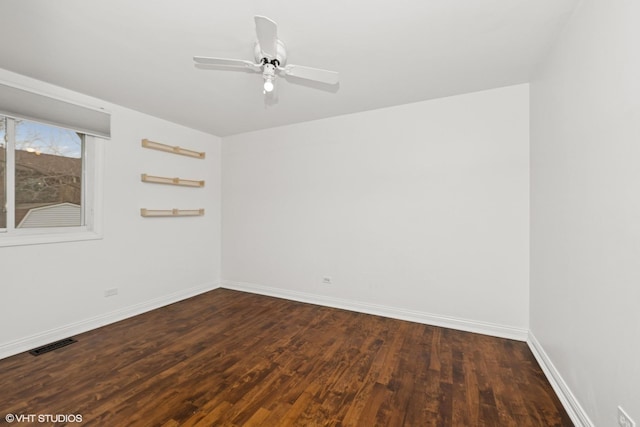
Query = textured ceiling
x=139 y=53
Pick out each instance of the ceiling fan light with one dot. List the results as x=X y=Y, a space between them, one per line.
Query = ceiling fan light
x=268 y=85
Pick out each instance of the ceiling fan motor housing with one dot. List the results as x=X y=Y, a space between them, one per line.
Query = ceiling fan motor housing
x=281 y=54
x=269 y=70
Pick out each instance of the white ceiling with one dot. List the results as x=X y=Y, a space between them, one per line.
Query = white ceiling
x=139 y=53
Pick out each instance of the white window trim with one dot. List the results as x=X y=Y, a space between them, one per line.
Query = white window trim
x=93 y=194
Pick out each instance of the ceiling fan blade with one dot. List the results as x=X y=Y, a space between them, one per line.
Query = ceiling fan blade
x=267 y=32
x=315 y=74
x=225 y=61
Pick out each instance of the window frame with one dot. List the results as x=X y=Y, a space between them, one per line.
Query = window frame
x=92 y=159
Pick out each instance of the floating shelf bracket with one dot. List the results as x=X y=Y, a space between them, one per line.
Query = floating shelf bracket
x=146 y=143
x=171 y=181
x=170 y=212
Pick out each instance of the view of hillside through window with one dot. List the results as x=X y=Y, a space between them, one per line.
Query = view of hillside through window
x=48 y=176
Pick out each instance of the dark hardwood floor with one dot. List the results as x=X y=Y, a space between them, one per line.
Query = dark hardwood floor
x=237 y=359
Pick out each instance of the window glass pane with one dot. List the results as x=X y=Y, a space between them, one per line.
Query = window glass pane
x=48 y=176
x=3 y=169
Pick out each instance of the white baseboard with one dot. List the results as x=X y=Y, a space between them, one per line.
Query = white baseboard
x=568 y=400
x=382 y=310
x=37 y=340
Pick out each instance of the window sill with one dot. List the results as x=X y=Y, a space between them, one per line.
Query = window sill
x=46 y=238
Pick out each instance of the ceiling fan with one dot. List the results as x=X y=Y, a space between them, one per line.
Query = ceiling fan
x=271 y=59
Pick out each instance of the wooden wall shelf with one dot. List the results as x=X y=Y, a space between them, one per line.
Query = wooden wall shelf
x=146 y=143
x=171 y=181
x=147 y=213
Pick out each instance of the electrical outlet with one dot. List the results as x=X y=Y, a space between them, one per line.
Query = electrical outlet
x=624 y=420
x=110 y=292
x=327 y=280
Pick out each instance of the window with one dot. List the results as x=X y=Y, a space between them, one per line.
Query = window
x=44 y=182
x=50 y=167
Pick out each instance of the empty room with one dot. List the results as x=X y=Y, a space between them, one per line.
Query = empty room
x=365 y=213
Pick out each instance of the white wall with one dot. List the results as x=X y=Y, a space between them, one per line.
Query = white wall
x=585 y=208
x=422 y=208
x=58 y=289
